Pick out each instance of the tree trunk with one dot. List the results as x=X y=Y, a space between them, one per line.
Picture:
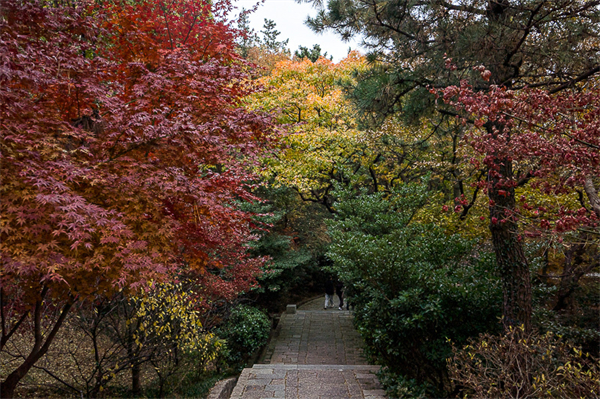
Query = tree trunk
x=136 y=387
x=573 y=270
x=592 y=193
x=40 y=347
x=510 y=257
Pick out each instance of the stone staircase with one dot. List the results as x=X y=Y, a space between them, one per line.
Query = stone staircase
x=315 y=354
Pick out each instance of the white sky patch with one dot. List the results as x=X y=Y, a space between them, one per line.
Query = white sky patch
x=289 y=17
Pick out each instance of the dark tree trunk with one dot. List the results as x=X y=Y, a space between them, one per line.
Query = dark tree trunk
x=40 y=347
x=136 y=386
x=510 y=257
x=573 y=270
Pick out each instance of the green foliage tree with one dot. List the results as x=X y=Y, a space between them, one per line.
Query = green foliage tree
x=294 y=242
x=248 y=38
x=270 y=38
x=412 y=286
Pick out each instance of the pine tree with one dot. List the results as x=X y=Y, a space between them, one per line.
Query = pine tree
x=269 y=39
x=312 y=54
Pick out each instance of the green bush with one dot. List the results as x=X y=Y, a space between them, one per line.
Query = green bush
x=520 y=365
x=398 y=386
x=246 y=330
x=412 y=286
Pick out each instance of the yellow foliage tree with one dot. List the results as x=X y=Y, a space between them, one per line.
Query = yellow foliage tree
x=165 y=325
x=322 y=131
x=327 y=143
x=168 y=313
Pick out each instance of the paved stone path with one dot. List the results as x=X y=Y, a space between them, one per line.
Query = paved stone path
x=316 y=337
x=316 y=355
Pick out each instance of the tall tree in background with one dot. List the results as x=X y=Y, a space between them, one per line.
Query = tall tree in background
x=264 y=50
x=270 y=35
x=537 y=43
x=124 y=152
x=248 y=37
x=312 y=54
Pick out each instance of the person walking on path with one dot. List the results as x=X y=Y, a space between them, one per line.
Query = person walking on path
x=339 y=290
x=329 y=291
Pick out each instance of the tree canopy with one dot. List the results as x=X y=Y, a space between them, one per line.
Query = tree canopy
x=124 y=151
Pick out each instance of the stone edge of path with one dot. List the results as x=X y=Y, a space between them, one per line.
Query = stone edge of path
x=222 y=389
x=307 y=300
x=317 y=366
x=274 y=333
x=304 y=302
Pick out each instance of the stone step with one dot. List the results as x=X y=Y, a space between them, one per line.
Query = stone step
x=308 y=381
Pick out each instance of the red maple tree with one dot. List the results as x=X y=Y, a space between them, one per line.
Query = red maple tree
x=548 y=141
x=552 y=140
x=124 y=152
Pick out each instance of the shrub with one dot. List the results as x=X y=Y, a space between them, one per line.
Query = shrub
x=246 y=331
x=412 y=286
x=399 y=386
x=520 y=365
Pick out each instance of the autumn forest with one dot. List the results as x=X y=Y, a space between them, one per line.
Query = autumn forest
x=171 y=179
